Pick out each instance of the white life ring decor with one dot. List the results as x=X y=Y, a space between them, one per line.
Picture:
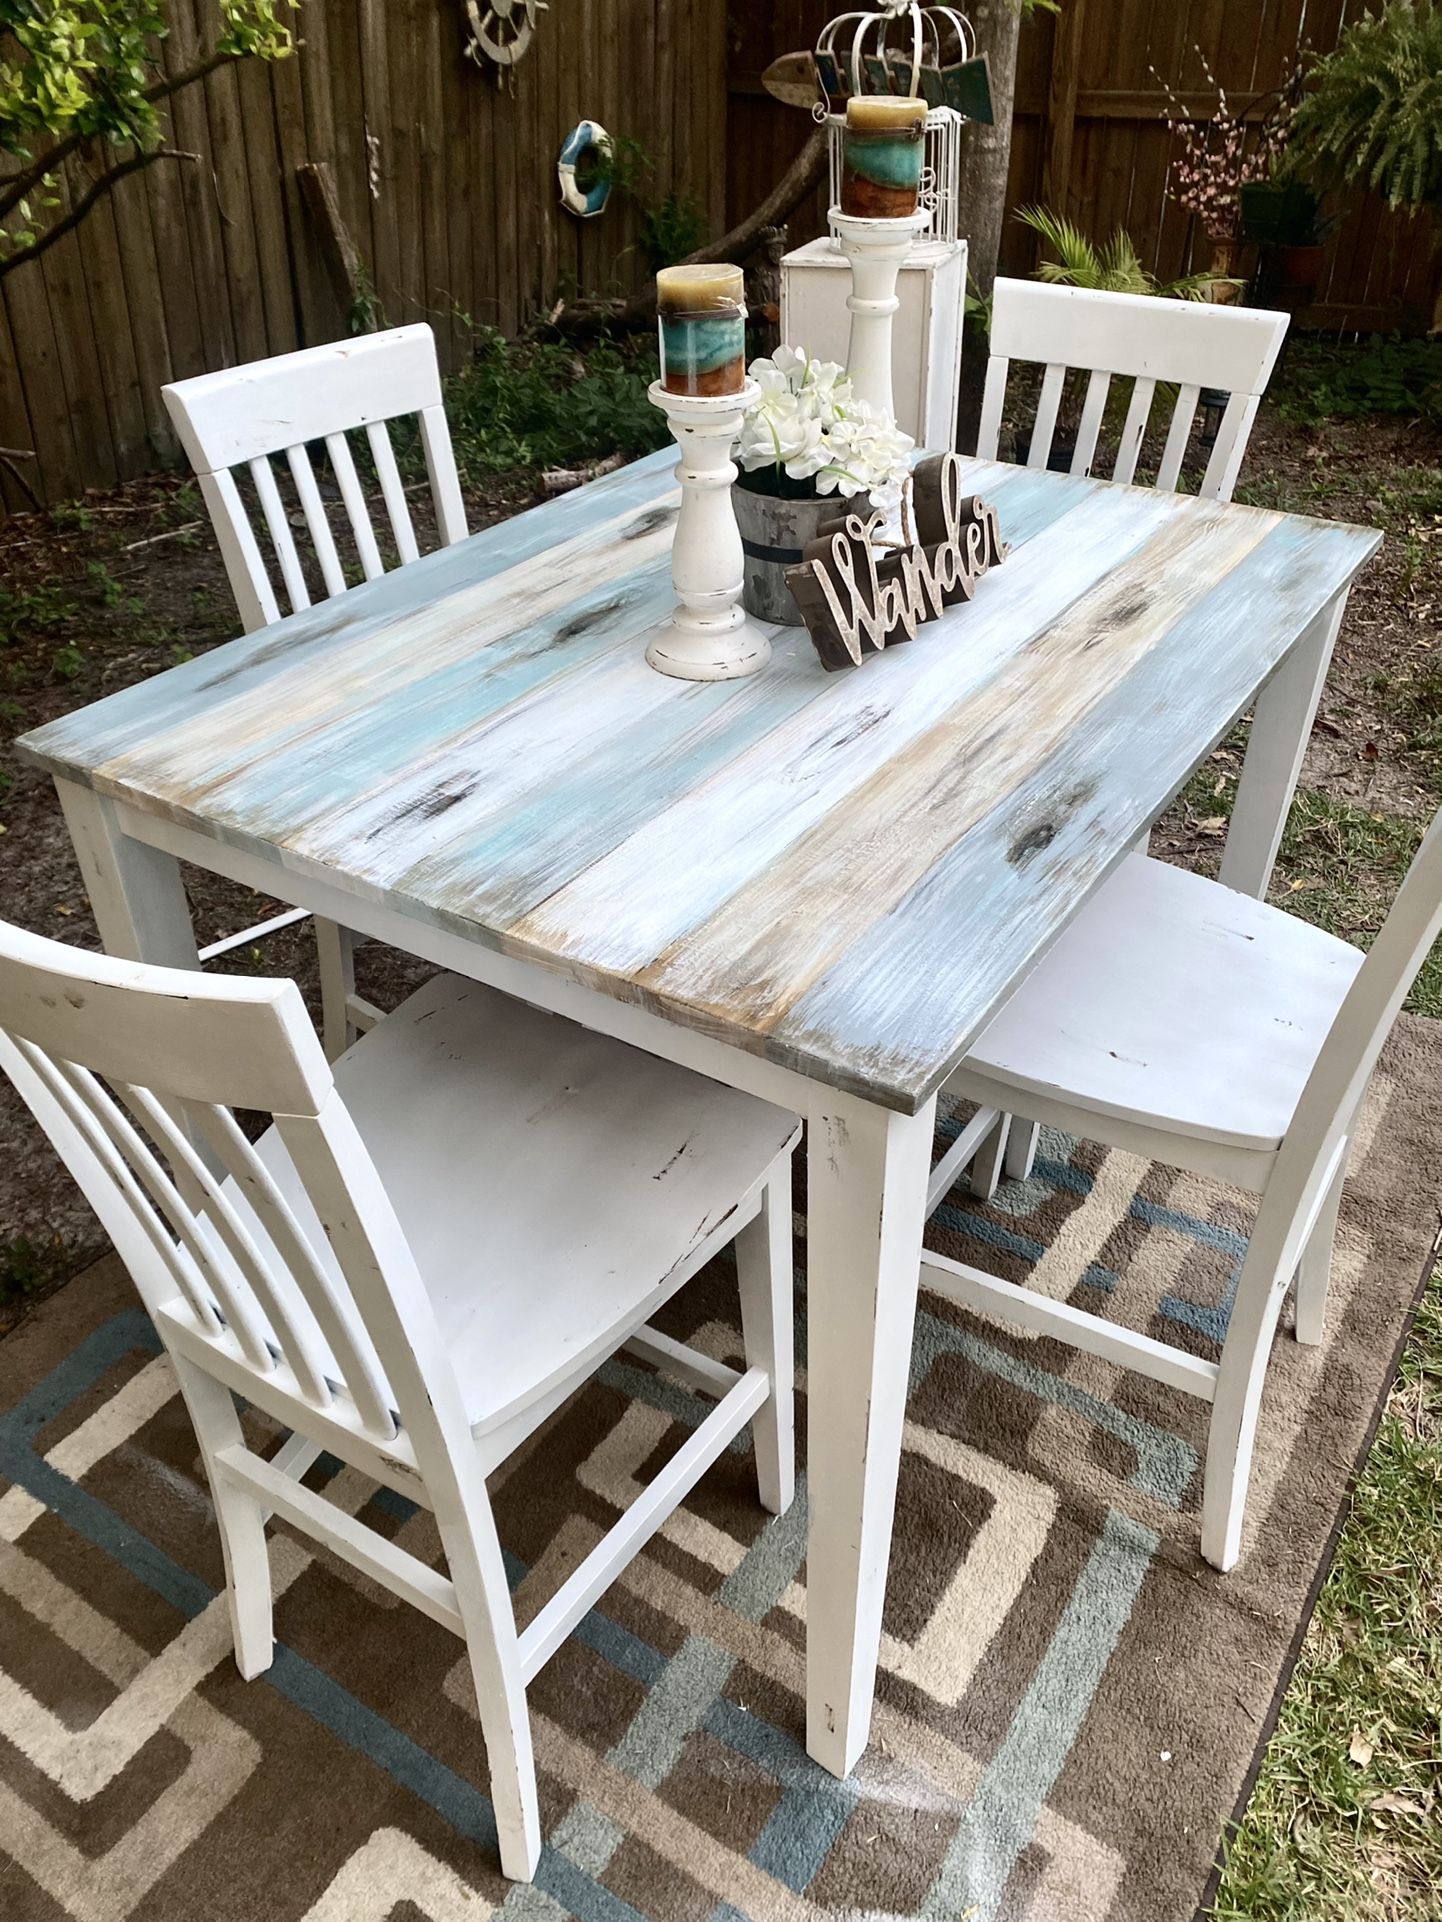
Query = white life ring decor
x=501 y=30
x=587 y=139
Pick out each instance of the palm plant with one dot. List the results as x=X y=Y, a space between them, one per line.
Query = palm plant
x=1114 y=267
x=1373 y=115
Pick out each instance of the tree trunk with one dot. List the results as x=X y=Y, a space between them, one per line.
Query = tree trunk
x=985 y=158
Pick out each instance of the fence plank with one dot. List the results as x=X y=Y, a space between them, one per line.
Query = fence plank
x=1067 y=48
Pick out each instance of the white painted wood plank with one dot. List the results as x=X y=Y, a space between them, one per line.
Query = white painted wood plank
x=759 y=806
x=992 y=907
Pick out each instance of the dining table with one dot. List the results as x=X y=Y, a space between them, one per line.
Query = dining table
x=814 y=886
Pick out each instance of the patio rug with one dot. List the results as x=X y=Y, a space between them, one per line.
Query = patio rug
x=1069 y=1701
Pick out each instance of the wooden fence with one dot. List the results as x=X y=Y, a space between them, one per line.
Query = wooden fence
x=1090 y=136
x=447 y=184
x=446 y=181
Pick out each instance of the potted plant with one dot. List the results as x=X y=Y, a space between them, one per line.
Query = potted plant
x=1372 y=116
x=807 y=444
x=1283 y=215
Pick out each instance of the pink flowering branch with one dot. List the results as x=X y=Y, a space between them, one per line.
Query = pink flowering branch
x=1212 y=160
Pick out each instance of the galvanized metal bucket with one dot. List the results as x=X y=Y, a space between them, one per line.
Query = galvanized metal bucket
x=774 y=534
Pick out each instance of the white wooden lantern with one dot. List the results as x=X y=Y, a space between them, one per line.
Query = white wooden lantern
x=926 y=331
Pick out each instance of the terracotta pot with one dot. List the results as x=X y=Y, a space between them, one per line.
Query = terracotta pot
x=774 y=534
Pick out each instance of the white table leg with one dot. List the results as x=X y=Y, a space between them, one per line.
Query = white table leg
x=136 y=892
x=1281 y=728
x=866 y=1206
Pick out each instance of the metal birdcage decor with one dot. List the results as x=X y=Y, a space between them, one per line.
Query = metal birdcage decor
x=917 y=52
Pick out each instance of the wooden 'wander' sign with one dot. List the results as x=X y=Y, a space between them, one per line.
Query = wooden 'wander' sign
x=857 y=595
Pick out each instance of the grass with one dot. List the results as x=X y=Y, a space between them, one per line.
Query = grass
x=1320 y=380
x=1346 y=1821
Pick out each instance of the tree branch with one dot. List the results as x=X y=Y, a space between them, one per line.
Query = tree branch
x=593 y=315
x=17 y=186
x=44 y=242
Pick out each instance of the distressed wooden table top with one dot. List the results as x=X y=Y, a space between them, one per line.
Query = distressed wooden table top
x=843 y=872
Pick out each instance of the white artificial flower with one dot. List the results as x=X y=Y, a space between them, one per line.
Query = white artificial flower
x=869 y=455
x=801 y=406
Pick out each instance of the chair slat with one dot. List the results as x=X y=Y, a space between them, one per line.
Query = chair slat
x=445 y=482
x=1046 y=413
x=244 y=564
x=1134 y=430
x=361 y=1372
x=281 y=538
x=253 y=1271
x=1225 y=466
x=87 y=1117
x=1091 y=422
x=393 y=492
x=357 y=512
x=316 y=519
x=988 y=434
x=1178 y=434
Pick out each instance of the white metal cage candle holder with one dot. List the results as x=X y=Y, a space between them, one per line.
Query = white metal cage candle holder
x=940 y=170
x=902 y=50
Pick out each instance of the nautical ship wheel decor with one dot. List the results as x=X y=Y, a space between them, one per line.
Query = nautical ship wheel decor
x=501 y=31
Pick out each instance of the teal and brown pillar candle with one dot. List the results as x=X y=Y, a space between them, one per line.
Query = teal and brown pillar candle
x=703 y=329
x=881 y=157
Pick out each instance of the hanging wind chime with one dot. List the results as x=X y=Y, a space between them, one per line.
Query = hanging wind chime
x=501 y=32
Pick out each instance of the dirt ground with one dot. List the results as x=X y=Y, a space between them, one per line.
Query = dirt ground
x=117 y=587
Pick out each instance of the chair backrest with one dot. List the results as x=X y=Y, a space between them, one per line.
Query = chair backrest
x=1326 y=1114
x=236 y=420
x=1184 y=344
x=134 y=1071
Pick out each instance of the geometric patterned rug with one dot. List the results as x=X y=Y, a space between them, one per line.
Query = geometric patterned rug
x=1069 y=1702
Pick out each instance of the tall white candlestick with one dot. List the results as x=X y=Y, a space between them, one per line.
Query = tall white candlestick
x=876 y=250
x=708 y=638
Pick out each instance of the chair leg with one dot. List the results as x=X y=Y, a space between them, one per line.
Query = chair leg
x=764 y=1270
x=1021 y=1148
x=984 y=1175
x=1314 y=1270
x=473 y=1555
x=1233 y=1429
x=336 y=946
x=240 y=1518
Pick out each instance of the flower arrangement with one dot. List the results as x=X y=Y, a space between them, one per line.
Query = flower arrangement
x=1213 y=160
x=808 y=436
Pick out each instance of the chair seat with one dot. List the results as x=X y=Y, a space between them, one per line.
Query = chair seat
x=554 y=1185
x=1176 y=1002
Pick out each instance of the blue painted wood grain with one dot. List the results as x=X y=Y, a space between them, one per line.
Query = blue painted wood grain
x=841 y=872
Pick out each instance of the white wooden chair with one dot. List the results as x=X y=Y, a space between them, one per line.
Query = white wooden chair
x=1182 y=343
x=235 y=423
x=507 y=1199
x=1182 y=1021
x=1185 y=345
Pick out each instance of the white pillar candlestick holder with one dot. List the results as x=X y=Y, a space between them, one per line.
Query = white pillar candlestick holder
x=876 y=250
x=709 y=637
